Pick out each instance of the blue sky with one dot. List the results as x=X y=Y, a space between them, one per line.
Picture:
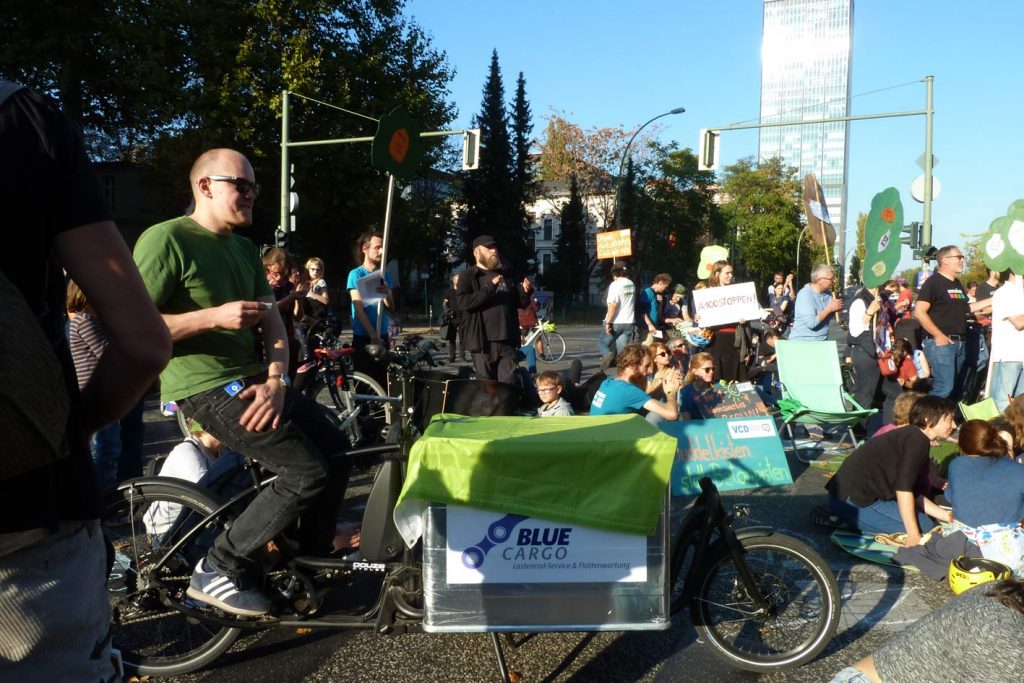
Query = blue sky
x=609 y=63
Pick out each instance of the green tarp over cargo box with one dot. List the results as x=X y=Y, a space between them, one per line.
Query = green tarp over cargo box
x=609 y=472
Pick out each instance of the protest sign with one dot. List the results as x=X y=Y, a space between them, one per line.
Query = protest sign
x=614 y=243
x=728 y=304
x=743 y=453
x=737 y=399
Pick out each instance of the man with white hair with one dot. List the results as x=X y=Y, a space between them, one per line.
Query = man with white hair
x=815 y=305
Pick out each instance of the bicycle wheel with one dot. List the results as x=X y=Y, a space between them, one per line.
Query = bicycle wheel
x=377 y=411
x=154 y=637
x=554 y=347
x=802 y=595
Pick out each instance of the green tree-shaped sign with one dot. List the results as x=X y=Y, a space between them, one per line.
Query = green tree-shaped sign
x=397 y=147
x=882 y=237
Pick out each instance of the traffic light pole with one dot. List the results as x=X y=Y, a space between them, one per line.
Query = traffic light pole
x=927 y=112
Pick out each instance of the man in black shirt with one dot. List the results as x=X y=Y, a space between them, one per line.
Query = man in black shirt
x=53 y=566
x=942 y=309
x=489 y=302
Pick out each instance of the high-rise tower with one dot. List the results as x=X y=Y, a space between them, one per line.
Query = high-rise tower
x=805 y=75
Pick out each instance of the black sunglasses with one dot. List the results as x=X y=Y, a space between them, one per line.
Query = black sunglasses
x=241 y=184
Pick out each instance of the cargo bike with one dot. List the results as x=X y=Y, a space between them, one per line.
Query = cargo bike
x=761 y=600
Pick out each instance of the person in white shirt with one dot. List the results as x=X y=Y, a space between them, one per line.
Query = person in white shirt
x=619 y=317
x=1007 y=341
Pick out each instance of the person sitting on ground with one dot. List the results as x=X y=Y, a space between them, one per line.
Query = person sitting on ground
x=626 y=393
x=677 y=347
x=699 y=379
x=549 y=387
x=968 y=639
x=663 y=368
x=881 y=487
x=765 y=367
x=900 y=412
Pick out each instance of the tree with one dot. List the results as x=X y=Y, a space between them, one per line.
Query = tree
x=859 y=250
x=675 y=213
x=763 y=205
x=524 y=175
x=570 y=276
x=489 y=207
x=159 y=82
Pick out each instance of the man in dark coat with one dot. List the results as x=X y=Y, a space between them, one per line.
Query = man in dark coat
x=489 y=301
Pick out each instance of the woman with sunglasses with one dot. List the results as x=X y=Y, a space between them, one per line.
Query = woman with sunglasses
x=313 y=308
x=663 y=370
x=699 y=379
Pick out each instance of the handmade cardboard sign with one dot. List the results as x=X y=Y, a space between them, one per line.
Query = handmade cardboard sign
x=743 y=453
x=738 y=399
x=397 y=147
x=614 y=243
x=728 y=304
x=882 y=237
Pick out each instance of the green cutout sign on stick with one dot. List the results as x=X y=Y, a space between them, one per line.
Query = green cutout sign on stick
x=397 y=147
x=882 y=237
x=1002 y=246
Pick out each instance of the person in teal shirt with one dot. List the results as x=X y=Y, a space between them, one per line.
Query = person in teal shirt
x=626 y=393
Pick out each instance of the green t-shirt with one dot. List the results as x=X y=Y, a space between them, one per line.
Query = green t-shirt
x=188 y=268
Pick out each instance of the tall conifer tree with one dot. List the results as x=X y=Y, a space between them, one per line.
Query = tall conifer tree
x=524 y=175
x=573 y=265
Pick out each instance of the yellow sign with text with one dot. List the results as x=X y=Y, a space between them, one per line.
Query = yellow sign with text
x=614 y=244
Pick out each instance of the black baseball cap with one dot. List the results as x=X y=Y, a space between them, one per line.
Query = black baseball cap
x=484 y=241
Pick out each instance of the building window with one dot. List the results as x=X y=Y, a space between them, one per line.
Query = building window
x=108 y=190
x=547 y=229
x=546 y=260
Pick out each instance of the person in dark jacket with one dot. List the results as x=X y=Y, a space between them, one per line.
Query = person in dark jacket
x=489 y=301
x=453 y=318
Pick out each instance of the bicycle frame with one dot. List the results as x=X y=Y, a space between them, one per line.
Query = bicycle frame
x=535 y=333
x=706 y=518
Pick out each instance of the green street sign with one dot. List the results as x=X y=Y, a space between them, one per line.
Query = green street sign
x=882 y=237
x=397 y=147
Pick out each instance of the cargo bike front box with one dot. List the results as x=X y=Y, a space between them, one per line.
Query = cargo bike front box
x=541 y=524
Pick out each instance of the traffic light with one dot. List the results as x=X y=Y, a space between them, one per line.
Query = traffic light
x=293 y=200
x=912 y=236
x=707 y=155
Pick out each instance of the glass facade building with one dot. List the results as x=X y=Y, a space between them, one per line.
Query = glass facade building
x=805 y=75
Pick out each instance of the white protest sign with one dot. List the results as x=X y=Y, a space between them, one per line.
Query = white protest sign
x=489 y=547
x=728 y=304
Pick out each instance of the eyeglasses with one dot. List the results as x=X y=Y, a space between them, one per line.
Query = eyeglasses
x=707 y=369
x=543 y=390
x=959 y=257
x=314 y=269
x=661 y=353
x=241 y=184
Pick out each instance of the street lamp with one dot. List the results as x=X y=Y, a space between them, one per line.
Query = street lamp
x=625 y=153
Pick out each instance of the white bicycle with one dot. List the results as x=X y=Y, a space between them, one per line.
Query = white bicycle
x=551 y=348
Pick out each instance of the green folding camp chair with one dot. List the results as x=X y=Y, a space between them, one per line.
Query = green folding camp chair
x=812 y=388
x=982 y=410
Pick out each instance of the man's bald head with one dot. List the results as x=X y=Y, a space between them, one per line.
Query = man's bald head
x=209 y=163
x=224 y=188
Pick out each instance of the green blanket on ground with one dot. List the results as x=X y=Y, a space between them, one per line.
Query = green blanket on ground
x=609 y=472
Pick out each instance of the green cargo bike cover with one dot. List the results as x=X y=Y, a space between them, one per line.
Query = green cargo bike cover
x=608 y=472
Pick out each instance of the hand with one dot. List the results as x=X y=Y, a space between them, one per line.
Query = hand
x=942 y=340
x=913 y=540
x=495 y=280
x=238 y=315
x=265 y=409
x=834 y=305
x=873 y=307
x=527 y=285
x=300 y=288
x=383 y=288
x=374 y=337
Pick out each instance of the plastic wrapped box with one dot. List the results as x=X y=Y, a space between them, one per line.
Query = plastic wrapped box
x=488 y=571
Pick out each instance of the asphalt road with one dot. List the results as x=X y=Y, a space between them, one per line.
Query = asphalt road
x=877 y=602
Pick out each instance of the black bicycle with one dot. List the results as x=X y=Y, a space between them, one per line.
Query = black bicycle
x=764 y=601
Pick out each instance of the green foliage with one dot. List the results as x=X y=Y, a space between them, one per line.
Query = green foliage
x=570 y=274
x=159 y=82
x=491 y=205
x=763 y=204
x=675 y=214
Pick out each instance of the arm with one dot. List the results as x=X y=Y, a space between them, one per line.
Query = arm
x=364 y=320
x=268 y=398
x=139 y=347
x=322 y=295
x=908 y=513
x=668 y=410
x=609 y=316
x=981 y=306
x=1017 y=321
x=935 y=512
x=234 y=315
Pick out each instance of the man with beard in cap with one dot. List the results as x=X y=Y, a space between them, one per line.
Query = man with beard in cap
x=489 y=302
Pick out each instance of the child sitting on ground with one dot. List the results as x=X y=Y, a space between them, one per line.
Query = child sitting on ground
x=549 y=388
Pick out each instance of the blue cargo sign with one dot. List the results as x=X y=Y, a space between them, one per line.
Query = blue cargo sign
x=741 y=453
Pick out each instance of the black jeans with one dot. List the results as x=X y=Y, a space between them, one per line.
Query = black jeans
x=303 y=451
x=496 y=361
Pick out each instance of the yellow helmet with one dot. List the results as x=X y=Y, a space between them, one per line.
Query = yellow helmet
x=968 y=572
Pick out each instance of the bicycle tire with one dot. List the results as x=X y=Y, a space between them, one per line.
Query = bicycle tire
x=376 y=416
x=155 y=639
x=802 y=593
x=180 y=417
x=554 y=347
